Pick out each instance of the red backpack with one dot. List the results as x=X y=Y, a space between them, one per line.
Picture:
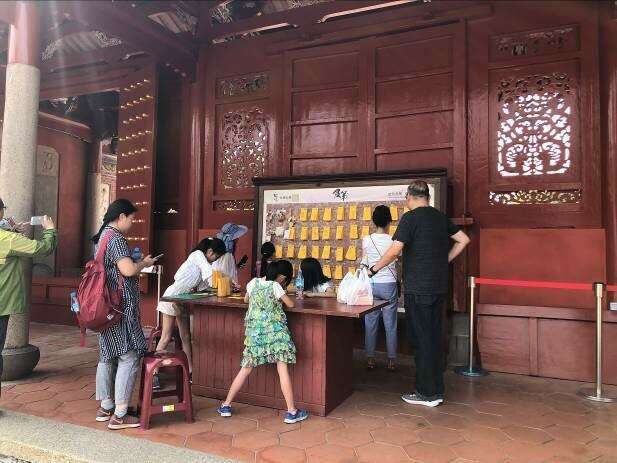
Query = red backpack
x=99 y=308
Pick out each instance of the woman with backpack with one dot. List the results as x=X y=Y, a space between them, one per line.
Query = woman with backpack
x=122 y=345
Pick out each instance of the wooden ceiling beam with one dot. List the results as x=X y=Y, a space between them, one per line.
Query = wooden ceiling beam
x=107 y=55
x=302 y=16
x=120 y=20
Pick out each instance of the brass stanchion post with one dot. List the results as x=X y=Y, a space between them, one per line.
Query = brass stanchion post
x=596 y=393
x=469 y=370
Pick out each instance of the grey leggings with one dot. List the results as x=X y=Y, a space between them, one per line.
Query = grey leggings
x=115 y=379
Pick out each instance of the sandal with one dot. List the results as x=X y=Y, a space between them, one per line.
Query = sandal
x=391 y=365
x=370 y=363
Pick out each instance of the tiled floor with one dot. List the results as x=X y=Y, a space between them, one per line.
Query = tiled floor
x=500 y=418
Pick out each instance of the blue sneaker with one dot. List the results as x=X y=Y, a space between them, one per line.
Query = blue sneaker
x=224 y=410
x=300 y=415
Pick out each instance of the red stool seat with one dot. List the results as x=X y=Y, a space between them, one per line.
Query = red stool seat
x=151 y=363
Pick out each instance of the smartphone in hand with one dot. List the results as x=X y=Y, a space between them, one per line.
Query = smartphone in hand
x=158 y=257
x=37 y=220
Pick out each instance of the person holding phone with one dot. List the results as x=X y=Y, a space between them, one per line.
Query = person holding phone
x=194 y=274
x=122 y=345
x=13 y=247
x=230 y=233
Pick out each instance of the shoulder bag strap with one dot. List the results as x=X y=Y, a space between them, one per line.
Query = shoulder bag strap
x=377 y=249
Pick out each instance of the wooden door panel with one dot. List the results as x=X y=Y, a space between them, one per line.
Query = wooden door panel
x=325 y=104
x=136 y=148
x=413 y=160
x=414 y=56
x=404 y=133
x=325 y=140
x=418 y=93
x=325 y=98
x=322 y=70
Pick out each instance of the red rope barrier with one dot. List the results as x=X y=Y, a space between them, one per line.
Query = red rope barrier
x=534 y=284
x=611 y=288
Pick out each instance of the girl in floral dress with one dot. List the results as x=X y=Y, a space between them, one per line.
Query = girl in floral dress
x=267 y=338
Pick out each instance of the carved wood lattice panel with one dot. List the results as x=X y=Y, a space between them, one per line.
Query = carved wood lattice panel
x=535 y=129
x=243 y=148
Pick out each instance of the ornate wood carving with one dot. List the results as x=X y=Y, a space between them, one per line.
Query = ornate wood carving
x=234 y=205
x=534 y=43
x=522 y=197
x=534 y=135
x=242 y=85
x=243 y=150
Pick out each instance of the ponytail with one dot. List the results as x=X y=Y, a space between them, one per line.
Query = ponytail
x=115 y=209
x=267 y=251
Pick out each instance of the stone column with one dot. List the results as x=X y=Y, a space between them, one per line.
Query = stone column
x=17 y=163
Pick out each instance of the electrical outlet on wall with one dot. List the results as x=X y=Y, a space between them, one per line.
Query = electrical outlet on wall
x=613 y=306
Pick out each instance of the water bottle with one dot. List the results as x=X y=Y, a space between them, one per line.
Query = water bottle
x=137 y=256
x=74 y=303
x=300 y=286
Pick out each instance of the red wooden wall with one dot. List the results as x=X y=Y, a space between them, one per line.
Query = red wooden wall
x=506 y=97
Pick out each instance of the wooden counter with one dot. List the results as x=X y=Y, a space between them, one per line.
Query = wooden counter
x=321 y=330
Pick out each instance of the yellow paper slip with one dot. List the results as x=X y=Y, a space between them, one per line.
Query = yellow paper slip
x=292 y=233
x=365 y=231
x=325 y=233
x=304 y=233
x=303 y=214
x=351 y=253
x=340 y=213
x=353 y=232
x=314 y=214
x=327 y=271
x=366 y=214
x=339 y=254
x=353 y=212
x=339 y=232
x=315 y=234
x=315 y=252
x=394 y=212
x=327 y=214
x=392 y=229
x=338 y=272
x=325 y=253
x=290 y=251
x=302 y=252
x=278 y=251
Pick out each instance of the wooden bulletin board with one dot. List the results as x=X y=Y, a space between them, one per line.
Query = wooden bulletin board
x=326 y=217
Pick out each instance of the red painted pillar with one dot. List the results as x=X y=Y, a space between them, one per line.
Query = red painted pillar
x=24 y=35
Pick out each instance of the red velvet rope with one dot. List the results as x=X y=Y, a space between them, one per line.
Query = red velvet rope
x=537 y=284
x=611 y=288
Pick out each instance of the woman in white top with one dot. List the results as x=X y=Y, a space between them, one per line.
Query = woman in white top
x=384 y=284
x=194 y=274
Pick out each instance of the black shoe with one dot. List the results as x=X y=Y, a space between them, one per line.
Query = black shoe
x=419 y=399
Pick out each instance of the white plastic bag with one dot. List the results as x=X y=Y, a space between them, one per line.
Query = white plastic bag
x=361 y=293
x=345 y=286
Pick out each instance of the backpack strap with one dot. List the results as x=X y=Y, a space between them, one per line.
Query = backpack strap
x=100 y=257
x=100 y=253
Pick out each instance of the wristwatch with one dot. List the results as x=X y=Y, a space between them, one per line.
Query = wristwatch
x=372 y=270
